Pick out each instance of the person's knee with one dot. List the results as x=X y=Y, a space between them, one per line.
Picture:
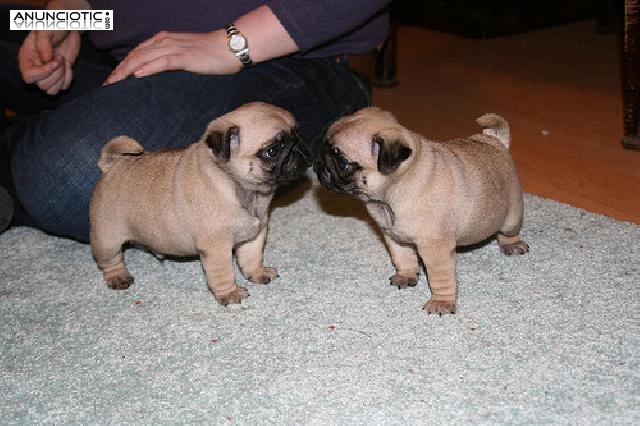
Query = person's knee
x=54 y=174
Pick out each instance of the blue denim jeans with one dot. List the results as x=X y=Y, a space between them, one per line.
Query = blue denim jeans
x=54 y=152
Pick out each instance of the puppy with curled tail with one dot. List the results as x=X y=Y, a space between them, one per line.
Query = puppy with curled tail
x=208 y=199
x=427 y=196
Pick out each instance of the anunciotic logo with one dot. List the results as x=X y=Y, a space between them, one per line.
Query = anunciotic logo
x=81 y=20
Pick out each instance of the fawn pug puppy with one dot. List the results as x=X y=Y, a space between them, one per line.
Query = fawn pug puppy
x=207 y=199
x=427 y=196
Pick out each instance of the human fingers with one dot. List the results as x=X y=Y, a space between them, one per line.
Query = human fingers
x=69 y=46
x=44 y=44
x=32 y=73
x=28 y=56
x=68 y=75
x=173 y=51
x=31 y=65
x=163 y=63
x=139 y=57
x=58 y=79
x=51 y=83
x=167 y=51
x=56 y=87
x=124 y=68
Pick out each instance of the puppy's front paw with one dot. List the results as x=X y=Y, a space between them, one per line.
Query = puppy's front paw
x=440 y=307
x=519 y=247
x=234 y=297
x=263 y=275
x=401 y=281
x=120 y=282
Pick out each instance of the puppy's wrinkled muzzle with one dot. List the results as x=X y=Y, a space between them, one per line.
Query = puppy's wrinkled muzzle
x=293 y=164
x=324 y=176
x=329 y=175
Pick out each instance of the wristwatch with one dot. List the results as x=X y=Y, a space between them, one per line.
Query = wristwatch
x=238 y=45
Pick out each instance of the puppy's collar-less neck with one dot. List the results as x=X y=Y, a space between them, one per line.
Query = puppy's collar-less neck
x=382 y=213
x=250 y=200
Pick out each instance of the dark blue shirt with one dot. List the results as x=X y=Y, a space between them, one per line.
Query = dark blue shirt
x=319 y=27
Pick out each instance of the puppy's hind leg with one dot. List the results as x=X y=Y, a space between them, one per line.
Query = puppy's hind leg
x=509 y=235
x=512 y=244
x=110 y=259
x=405 y=260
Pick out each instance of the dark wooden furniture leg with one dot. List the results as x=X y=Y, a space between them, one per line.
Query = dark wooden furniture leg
x=631 y=74
x=385 y=72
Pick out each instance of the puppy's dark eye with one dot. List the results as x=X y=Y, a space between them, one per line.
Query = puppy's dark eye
x=345 y=166
x=271 y=152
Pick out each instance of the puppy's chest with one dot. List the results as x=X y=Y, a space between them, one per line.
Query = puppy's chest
x=386 y=218
x=252 y=216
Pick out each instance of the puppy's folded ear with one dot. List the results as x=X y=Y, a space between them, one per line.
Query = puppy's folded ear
x=220 y=142
x=390 y=154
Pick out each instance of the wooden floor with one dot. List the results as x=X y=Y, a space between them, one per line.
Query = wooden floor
x=559 y=88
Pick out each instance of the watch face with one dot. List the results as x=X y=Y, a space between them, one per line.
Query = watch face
x=237 y=42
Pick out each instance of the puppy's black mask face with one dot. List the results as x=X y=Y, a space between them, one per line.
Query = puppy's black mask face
x=282 y=160
x=335 y=172
x=285 y=159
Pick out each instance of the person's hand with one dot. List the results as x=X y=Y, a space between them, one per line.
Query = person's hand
x=202 y=53
x=46 y=58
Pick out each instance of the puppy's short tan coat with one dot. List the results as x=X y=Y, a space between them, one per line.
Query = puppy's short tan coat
x=207 y=200
x=428 y=197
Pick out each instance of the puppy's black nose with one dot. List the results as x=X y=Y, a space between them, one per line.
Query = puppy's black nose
x=318 y=165
x=302 y=150
x=321 y=170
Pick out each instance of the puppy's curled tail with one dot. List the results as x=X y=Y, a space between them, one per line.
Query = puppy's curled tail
x=117 y=149
x=495 y=126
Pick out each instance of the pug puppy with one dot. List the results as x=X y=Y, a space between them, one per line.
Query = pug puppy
x=428 y=197
x=207 y=200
